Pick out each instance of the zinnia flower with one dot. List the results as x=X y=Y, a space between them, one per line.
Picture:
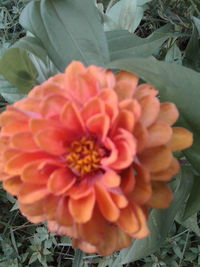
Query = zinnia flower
x=89 y=152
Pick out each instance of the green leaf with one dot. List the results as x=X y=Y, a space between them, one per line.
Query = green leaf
x=193 y=203
x=126 y=14
x=78 y=258
x=8 y=92
x=38 y=56
x=17 y=68
x=192 y=51
x=176 y=84
x=174 y=55
x=123 y=44
x=160 y=222
x=197 y=23
x=191 y=223
x=68 y=30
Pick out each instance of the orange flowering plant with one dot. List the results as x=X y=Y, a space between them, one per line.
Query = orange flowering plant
x=88 y=150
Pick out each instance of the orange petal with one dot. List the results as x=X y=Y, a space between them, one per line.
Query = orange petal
x=125 y=156
x=84 y=246
x=181 y=139
x=150 y=107
x=141 y=134
x=24 y=141
x=167 y=174
x=127 y=180
x=125 y=120
x=55 y=101
x=51 y=141
x=13 y=185
x=125 y=89
x=168 y=113
x=111 y=179
x=71 y=118
x=109 y=97
x=156 y=159
x=37 y=124
x=159 y=134
x=143 y=230
x=92 y=107
x=127 y=76
x=60 y=181
x=32 y=173
x=36 y=219
x=119 y=199
x=10 y=116
x=133 y=106
x=16 y=163
x=113 y=153
x=30 y=193
x=10 y=153
x=14 y=127
x=80 y=189
x=50 y=206
x=99 y=124
x=106 y=204
x=30 y=104
x=161 y=196
x=33 y=209
x=63 y=216
x=145 y=89
x=128 y=221
x=81 y=209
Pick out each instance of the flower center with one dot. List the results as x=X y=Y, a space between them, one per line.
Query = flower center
x=84 y=156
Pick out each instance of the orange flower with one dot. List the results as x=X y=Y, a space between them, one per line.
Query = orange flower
x=89 y=151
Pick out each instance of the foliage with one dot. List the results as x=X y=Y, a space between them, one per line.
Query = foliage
x=136 y=41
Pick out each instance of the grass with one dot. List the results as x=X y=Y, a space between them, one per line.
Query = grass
x=26 y=244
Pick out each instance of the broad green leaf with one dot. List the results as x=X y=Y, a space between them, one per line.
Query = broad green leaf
x=176 y=84
x=192 y=51
x=160 y=222
x=126 y=14
x=193 y=203
x=68 y=30
x=191 y=223
x=8 y=92
x=123 y=44
x=78 y=258
x=38 y=56
x=197 y=23
x=17 y=68
x=174 y=55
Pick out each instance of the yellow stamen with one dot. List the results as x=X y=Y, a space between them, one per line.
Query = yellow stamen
x=84 y=156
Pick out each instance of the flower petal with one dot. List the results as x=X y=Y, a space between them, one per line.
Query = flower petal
x=111 y=179
x=63 y=216
x=13 y=185
x=55 y=101
x=143 y=230
x=50 y=206
x=159 y=134
x=30 y=193
x=92 y=107
x=150 y=109
x=161 y=196
x=128 y=221
x=16 y=163
x=99 y=124
x=168 y=113
x=60 y=181
x=24 y=141
x=127 y=180
x=51 y=141
x=141 y=134
x=71 y=118
x=81 y=209
x=167 y=174
x=33 y=209
x=181 y=139
x=156 y=159
x=106 y=204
